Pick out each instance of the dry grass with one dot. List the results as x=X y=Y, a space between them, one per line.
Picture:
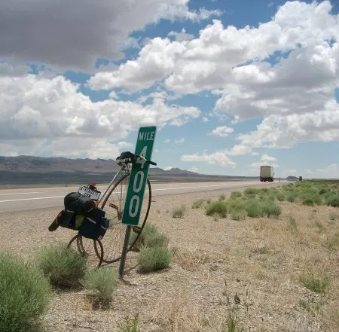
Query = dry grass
x=179 y=212
x=263 y=273
x=190 y=260
x=179 y=314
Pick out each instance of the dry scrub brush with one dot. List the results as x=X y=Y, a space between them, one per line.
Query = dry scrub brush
x=63 y=266
x=24 y=294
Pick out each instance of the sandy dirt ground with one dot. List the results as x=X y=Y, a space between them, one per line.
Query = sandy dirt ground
x=222 y=270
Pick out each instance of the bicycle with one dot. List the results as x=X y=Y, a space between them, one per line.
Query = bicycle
x=109 y=249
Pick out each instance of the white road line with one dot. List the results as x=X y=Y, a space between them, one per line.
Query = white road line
x=29 y=199
x=118 y=192
x=31 y=192
x=158 y=189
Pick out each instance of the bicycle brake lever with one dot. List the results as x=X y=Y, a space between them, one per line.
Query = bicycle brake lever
x=148 y=161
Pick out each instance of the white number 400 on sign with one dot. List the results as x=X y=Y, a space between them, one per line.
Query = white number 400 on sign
x=137 y=185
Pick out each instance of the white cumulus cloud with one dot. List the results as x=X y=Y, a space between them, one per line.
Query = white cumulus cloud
x=284 y=71
x=219 y=158
x=52 y=115
x=222 y=131
x=239 y=150
x=266 y=157
x=73 y=34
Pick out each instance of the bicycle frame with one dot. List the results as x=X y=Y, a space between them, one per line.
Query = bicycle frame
x=125 y=169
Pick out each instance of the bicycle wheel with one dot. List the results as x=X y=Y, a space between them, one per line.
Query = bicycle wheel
x=113 y=205
x=85 y=249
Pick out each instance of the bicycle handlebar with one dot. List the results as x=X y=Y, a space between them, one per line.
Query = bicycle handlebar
x=148 y=161
x=128 y=157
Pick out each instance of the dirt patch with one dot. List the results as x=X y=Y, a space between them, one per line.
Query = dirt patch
x=247 y=273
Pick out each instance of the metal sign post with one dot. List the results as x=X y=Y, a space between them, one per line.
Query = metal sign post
x=136 y=186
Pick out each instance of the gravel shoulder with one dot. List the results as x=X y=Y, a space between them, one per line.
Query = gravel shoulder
x=219 y=268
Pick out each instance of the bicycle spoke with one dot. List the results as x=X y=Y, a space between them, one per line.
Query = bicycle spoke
x=113 y=205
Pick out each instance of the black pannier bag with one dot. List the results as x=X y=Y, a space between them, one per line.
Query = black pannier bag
x=81 y=214
x=94 y=225
x=76 y=205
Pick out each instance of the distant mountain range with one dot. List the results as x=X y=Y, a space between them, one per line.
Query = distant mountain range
x=29 y=164
x=57 y=170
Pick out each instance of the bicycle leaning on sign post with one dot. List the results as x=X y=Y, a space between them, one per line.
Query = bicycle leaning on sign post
x=136 y=186
x=124 y=202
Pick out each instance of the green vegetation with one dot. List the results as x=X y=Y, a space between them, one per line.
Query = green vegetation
x=179 y=212
x=313 y=193
x=333 y=200
x=153 y=259
x=310 y=193
x=222 y=197
x=24 y=294
x=236 y=208
x=255 y=203
x=280 y=196
x=235 y=194
x=308 y=201
x=101 y=282
x=253 y=209
x=152 y=245
x=235 y=205
x=149 y=237
x=156 y=240
x=269 y=209
x=198 y=204
x=217 y=209
x=63 y=266
x=130 y=324
x=291 y=196
x=251 y=191
x=317 y=285
x=239 y=215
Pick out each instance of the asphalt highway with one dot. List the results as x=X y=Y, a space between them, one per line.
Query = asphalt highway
x=13 y=200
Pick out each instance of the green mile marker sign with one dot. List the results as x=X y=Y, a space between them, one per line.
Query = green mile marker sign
x=138 y=177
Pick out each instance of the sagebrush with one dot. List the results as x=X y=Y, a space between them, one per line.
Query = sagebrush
x=25 y=294
x=153 y=259
x=101 y=282
x=179 y=212
x=217 y=209
x=149 y=237
x=63 y=266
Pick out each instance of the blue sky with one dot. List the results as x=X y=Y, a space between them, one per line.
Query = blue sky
x=230 y=84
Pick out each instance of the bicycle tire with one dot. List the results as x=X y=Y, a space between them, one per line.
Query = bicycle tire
x=138 y=229
x=97 y=254
x=82 y=251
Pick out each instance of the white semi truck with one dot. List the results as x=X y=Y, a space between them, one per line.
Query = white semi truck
x=266 y=174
